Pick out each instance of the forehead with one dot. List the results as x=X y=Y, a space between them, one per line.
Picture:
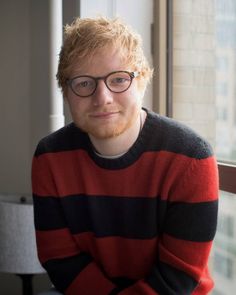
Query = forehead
x=101 y=62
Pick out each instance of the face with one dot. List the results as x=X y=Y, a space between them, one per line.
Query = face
x=105 y=114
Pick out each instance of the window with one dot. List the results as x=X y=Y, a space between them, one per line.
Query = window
x=201 y=89
x=226 y=224
x=223 y=265
x=224 y=248
x=225 y=40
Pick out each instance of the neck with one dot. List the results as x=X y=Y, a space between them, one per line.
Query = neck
x=120 y=144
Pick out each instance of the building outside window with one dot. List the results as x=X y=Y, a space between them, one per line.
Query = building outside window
x=204 y=97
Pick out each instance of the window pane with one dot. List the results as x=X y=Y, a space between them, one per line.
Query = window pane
x=194 y=66
x=204 y=71
x=223 y=257
x=225 y=25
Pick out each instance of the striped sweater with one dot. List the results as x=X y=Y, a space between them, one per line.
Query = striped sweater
x=142 y=223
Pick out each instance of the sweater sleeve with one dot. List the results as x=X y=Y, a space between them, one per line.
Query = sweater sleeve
x=71 y=271
x=189 y=226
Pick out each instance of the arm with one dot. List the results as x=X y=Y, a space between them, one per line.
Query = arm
x=70 y=270
x=189 y=227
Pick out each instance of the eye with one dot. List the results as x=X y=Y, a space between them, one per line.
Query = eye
x=83 y=82
x=119 y=80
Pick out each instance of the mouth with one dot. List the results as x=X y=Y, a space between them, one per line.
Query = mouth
x=104 y=115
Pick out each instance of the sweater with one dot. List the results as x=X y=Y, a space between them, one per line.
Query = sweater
x=142 y=223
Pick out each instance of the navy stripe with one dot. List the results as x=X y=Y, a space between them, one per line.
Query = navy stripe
x=60 y=278
x=112 y=216
x=172 y=136
x=64 y=139
x=193 y=222
x=137 y=218
x=105 y=216
x=48 y=213
x=168 y=280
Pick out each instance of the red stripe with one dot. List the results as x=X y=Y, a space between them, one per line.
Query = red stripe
x=205 y=285
x=42 y=177
x=120 y=256
x=199 y=183
x=155 y=173
x=190 y=257
x=55 y=244
x=90 y=281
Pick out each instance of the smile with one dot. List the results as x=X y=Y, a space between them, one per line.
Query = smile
x=104 y=115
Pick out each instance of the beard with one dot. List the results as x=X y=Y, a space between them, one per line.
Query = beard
x=105 y=132
x=110 y=128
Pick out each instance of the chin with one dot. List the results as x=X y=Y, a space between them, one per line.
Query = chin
x=107 y=130
x=106 y=133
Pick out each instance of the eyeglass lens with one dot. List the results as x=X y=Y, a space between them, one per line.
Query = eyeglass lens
x=115 y=82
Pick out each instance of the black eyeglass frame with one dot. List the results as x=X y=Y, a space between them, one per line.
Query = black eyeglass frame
x=132 y=75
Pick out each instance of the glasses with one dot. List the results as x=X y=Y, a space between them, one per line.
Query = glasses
x=117 y=82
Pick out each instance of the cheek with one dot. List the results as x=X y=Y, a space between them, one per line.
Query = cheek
x=76 y=110
x=76 y=104
x=73 y=105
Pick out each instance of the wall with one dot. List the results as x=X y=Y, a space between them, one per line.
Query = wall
x=25 y=93
x=23 y=103
x=15 y=98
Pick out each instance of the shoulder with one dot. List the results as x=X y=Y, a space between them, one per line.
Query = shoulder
x=68 y=137
x=173 y=136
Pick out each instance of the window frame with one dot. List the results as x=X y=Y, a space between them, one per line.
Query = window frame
x=227 y=177
x=159 y=50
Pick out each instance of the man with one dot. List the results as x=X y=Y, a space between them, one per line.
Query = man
x=125 y=200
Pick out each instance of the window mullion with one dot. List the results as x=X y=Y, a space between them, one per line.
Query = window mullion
x=227 y=176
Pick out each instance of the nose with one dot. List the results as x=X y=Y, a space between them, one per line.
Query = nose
x=102 y=95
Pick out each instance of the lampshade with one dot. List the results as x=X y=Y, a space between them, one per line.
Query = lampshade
x=18 y=253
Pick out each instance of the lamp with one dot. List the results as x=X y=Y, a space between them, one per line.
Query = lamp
x=18 y=253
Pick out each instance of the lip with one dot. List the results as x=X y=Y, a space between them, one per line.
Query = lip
x=104 y=115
